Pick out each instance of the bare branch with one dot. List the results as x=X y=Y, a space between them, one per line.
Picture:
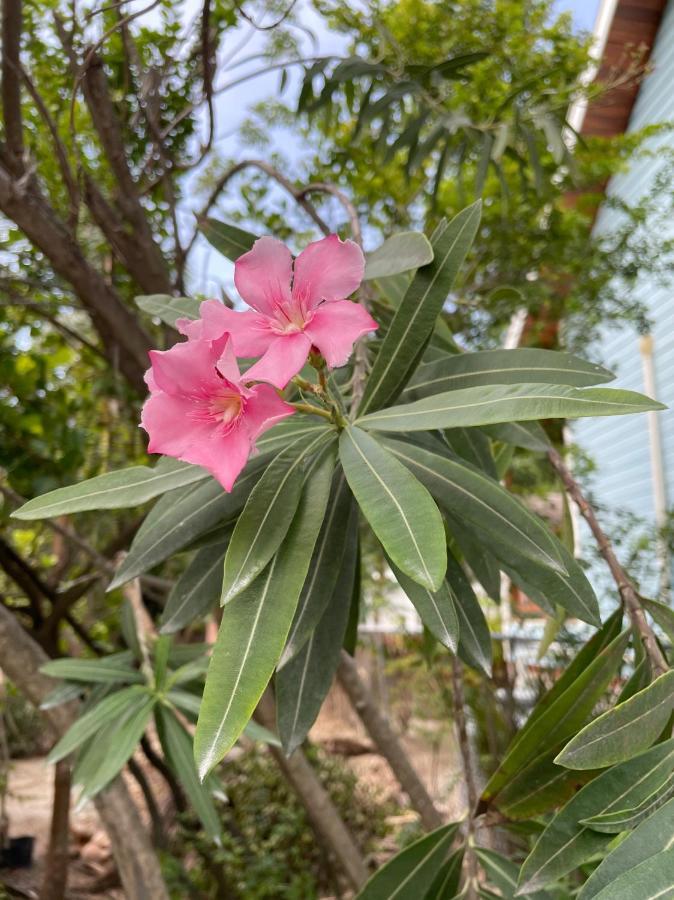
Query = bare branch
x=273 y=25
x=12 y=20
x=626 y=588
x=324 y=188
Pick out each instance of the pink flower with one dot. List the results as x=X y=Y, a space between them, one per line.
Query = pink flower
x=293 y=308
x=199 y=411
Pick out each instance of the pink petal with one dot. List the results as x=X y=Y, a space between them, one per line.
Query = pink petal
x=329 y=269
x=223 y=455
x=262 y=276
x=264 y=409
x=249 y=330
x=227 y=365
x=285 y=357
x=186 y=368
x=335 y=327
x=171 y=424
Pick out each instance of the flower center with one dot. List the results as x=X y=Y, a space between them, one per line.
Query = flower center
x=226 y=406
x=290 y=318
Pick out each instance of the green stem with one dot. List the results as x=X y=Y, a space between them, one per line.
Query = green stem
x=312 y=410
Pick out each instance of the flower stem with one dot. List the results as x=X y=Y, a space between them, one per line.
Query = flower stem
x=313 y=410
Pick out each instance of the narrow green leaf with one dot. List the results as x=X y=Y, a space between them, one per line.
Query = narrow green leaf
x=479 y=501
x=436 y=608
x=196 y=591
x=177 y=746
x=571 y=590
x=649 y=839
x=229 y=240
x=92 y=670
x=415 y=318
x=623 y=731
x=474 y=635
x=529 y=435
x=464 y=370
x=259 y=733
x=538 y=787
x=566 y=843
x=663 y=615
x=652 y=879
x=473 y=446
x=491 y=404
x=502 y=873
x=109 y=709
x=180 y=517
x=64 y=693
x=561 y=718
x=114 y=490
x=303 y=683
x=412 y=871
x=626 y=819
x=399 y=509
x=399 y=253
x=168 y=308
x=479 y=561
x=255 y=626
x=446 y=883
x=108 y=752
x=266 y=517
x=341 y=520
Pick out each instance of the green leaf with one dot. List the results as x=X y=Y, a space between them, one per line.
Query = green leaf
x=474 y=635
x=114 y=490
x=446 y=882
x=436 y=608
x=473 y=446
x=570 y=590
x=255 y=626
x=303 y=683
x=623 y=731
x=106 y=755
x=399 y=509
x=64 y=693
x=196 y=591
x=256 y=732
x=464 y=370
x=663 y=615
x=481 y=564
x=341 y=520
x=502 y=873
x=539 y=787
x=480 y=502
x=399 y=253
x=647 y=841
x=652 y=879
x=177 y=746
x=266 y=517
x=529 y=435
x=104 y=670
x=168 y=308
x=492 y=404
x=229 y=240
x=412 y=871
x=563 y=717
x=566 y=843
x=109 y=709
x=626 y=819
x=415 y=318
x=180 y=517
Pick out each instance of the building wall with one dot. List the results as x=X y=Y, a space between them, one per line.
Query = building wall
x=620 y=446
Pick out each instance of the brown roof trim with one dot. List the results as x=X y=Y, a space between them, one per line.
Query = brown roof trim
x=634 y=27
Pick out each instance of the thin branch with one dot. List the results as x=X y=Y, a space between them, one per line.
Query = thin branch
x=269 y=170
x=324 y=188
x=50 y=317
x=459 y=706
x=626 y=588
x=12 y=21
x=275 y=24
x=61 y=154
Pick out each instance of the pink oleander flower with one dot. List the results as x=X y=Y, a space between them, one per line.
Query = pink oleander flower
x=200 y=411
x=294 y=308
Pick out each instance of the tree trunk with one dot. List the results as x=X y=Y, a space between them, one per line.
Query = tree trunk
x=387 y=743
x=55 y=877
x=324 y=817
x=20 y=659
